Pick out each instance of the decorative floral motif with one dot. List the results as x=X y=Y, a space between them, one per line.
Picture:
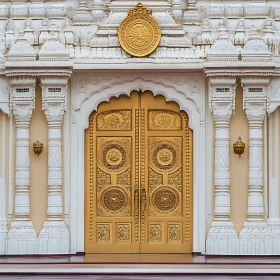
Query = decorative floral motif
x=165 y=199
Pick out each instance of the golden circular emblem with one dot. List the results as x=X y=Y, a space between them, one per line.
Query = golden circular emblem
x=139 y=33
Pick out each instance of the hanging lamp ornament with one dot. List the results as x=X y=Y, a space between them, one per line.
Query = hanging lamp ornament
x=139 y=33
x=239 y=147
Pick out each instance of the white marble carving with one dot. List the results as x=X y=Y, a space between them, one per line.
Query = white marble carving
x=52 y=41
x=22 y=238
x=54 y=237
x=222 y=238
x=255 y=237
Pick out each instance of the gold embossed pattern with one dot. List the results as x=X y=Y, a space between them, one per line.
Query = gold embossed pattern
x=114 y=120
x=139 y=33
x=164 y=120
x=138 y=177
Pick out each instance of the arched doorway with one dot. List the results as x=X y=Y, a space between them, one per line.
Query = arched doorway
x=138 y=167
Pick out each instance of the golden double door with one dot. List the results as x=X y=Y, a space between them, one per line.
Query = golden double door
x=138 y=195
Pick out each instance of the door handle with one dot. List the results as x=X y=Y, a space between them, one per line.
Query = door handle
x=143 y=202
x=143 y=213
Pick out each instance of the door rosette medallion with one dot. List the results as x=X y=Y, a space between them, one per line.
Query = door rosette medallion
x=164 y=157
x=114 y=199
x=114 y=155
x=139 y=33
x=165 y=199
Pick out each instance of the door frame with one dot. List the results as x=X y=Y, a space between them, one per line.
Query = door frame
x=88 y=91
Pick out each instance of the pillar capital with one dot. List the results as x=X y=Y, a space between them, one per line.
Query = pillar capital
x=22 y=99
x=222 y=97
x=255 y=98
x=54 y=92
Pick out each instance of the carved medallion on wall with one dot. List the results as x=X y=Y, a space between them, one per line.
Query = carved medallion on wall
x=139 y=33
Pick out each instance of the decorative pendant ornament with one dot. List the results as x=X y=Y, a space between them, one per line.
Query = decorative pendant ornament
x=38 y=148
x=239 y=147
x=139 y=33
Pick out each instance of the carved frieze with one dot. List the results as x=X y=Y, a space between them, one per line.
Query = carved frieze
x=256 y=10
x=234 y=11
x=216 y=10
x=4 y=11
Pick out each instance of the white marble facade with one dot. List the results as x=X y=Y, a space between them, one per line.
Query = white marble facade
x=70 y=50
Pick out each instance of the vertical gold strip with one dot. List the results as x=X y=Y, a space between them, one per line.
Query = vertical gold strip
x=142 y=173
x=91 y=176
x=136 y=190
x=188 y=201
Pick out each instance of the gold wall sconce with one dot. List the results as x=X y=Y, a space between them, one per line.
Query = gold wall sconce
x=38 y=148
x=239 y=147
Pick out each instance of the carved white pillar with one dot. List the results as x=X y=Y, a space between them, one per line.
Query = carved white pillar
x=255 y=237
x=3 y=187
x=22 y=238
x=54 y=237
x=273 y=213
x=222 y=238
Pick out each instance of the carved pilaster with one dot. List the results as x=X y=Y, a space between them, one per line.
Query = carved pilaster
x=255 y=105
x=3 y=218
x=54 y=237
x=222 y=238
x=22 y=238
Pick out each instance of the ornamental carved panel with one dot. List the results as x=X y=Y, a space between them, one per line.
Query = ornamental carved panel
x=138 y=177
x=165 y=161
x=114 y=120
x=114 y=163
x=164 y=120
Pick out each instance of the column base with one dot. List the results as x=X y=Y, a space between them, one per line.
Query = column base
x=275 y=233
x=255 y=239
x=54 y=238
x=3 y=237
x=22 y=239
x=222 y=239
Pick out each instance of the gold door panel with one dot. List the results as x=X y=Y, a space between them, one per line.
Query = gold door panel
x=138 y=177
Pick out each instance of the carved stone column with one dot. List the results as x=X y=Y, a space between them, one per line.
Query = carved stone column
x=3 y=219
x=54 y=237
x=22 y=238
x=222 y=238
x=255 y=237
x=273 y=195
x=3 y=188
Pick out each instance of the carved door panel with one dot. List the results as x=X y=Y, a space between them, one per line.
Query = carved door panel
x=111 y=214
x=138 y=177
x=166 y=177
